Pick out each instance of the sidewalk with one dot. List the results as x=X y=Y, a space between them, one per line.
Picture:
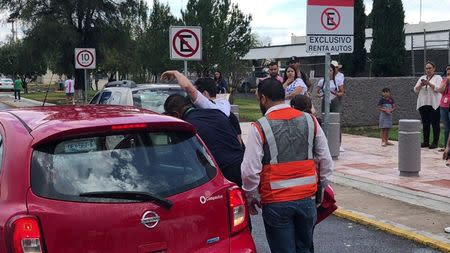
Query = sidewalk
x=8 y=99
x=417 y=208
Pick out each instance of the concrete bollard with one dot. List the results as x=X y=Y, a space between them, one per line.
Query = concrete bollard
x=409 y=147
x=235 y=110
x=334 y=134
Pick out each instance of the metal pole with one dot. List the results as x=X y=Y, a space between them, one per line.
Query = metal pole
x=85 y=87
x=326 y=91
x=424 y=47
x=420 y=17
x=413 y=67
x=185 y=69
x=448 y=60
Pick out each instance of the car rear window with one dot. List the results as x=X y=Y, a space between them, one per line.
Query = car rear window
x=158 y=163
x=153 y=99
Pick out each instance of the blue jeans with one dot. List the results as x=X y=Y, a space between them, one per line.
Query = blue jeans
x=445 y=116
x=290 y=225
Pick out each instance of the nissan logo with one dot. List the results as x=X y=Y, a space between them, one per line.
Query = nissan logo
x=150 y=219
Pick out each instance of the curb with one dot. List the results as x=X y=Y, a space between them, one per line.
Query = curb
x=404 y=233
x=431 y=201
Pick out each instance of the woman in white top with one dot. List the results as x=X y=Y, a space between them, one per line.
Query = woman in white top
x=428 y=104
x=336 y=90
x=293 y=85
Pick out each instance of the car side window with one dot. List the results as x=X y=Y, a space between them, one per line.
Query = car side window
x=104 y=97
x=1 y=152
x=94 y=100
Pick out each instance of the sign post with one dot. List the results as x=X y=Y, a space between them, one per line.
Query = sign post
x=185 y=44
x=85 y=59
x=329 y=29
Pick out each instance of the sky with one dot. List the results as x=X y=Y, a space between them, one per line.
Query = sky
x=276 y=21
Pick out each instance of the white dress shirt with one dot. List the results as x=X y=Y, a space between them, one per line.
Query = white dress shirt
x=251 y=166
x=427 y=95
x=219 y=103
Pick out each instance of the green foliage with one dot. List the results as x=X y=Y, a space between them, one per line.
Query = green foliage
x=388 y=46
x=226 y=33
x=154 y=46
x=21 y=59
x=355 y=62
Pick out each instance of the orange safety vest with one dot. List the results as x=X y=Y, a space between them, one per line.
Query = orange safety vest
x=289 y=171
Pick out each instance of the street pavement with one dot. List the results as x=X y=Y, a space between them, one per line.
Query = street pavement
x=337 y=235
x=370 y=191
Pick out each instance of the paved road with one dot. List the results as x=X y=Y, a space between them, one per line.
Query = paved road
x=3 y=106
x=342 y=236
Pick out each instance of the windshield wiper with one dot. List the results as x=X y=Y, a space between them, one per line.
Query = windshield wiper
x=133 y=195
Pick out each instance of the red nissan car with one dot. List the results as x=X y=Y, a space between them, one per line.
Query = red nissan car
x=113 y=179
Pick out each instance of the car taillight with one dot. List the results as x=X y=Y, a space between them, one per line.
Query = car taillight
x=238 y=210
x=26 y=235
x=128 y=126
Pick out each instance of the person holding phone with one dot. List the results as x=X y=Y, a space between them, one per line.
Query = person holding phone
x=428 y=99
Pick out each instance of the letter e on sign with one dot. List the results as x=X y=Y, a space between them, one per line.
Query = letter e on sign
x=85 y=58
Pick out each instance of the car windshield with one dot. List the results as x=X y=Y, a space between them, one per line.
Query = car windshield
x=153 y=99
x=157 y=163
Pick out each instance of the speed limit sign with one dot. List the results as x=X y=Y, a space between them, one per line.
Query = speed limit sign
x=85 y=58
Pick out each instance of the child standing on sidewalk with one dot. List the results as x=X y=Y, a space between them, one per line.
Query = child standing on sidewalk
x=386 y=106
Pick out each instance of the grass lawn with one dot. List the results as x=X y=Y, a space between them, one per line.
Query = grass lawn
x=374 y=131
x=248 y=109
x=54 y=96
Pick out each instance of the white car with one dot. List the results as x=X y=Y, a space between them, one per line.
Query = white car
x=147 y=96
x=6 y=84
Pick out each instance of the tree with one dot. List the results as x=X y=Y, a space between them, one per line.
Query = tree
x=226 y=33
x=61 y=26
x=388 y=46
x=21 y=60
x=355 y=62
x=154 y=45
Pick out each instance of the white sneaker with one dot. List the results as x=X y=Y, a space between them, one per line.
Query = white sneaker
x=341 y=149
x=447 y=230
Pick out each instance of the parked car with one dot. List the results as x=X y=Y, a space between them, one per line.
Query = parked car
x=113 y=179
x=121 y=83
x=252 y=81
x=6 y=84
x=147 y=96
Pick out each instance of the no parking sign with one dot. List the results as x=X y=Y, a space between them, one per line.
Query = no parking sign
x=329 y=27
x=185 y=43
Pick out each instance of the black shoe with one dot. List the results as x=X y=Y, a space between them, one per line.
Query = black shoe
x=424 y=145
x=433 y=146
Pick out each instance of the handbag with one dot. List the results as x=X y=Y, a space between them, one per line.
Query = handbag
x=328 y=205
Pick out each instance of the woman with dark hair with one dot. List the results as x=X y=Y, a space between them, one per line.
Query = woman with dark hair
x=428 y=100
x=292 y=84
x=336 y=90
x=221 y=84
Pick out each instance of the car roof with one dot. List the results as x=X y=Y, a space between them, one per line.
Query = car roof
x=162 y=86
x=121 y=83
x=43 y=122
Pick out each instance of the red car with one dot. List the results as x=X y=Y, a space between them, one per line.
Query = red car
x=113 y=179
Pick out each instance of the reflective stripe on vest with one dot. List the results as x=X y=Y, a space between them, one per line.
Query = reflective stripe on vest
x=300 y=181
x=270 y=138
x=311 y=127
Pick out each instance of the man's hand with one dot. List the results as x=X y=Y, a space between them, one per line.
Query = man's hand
x=169 y=75
x=253 y=201
x=446 y=153
x=184 y=83
x=318 y=203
